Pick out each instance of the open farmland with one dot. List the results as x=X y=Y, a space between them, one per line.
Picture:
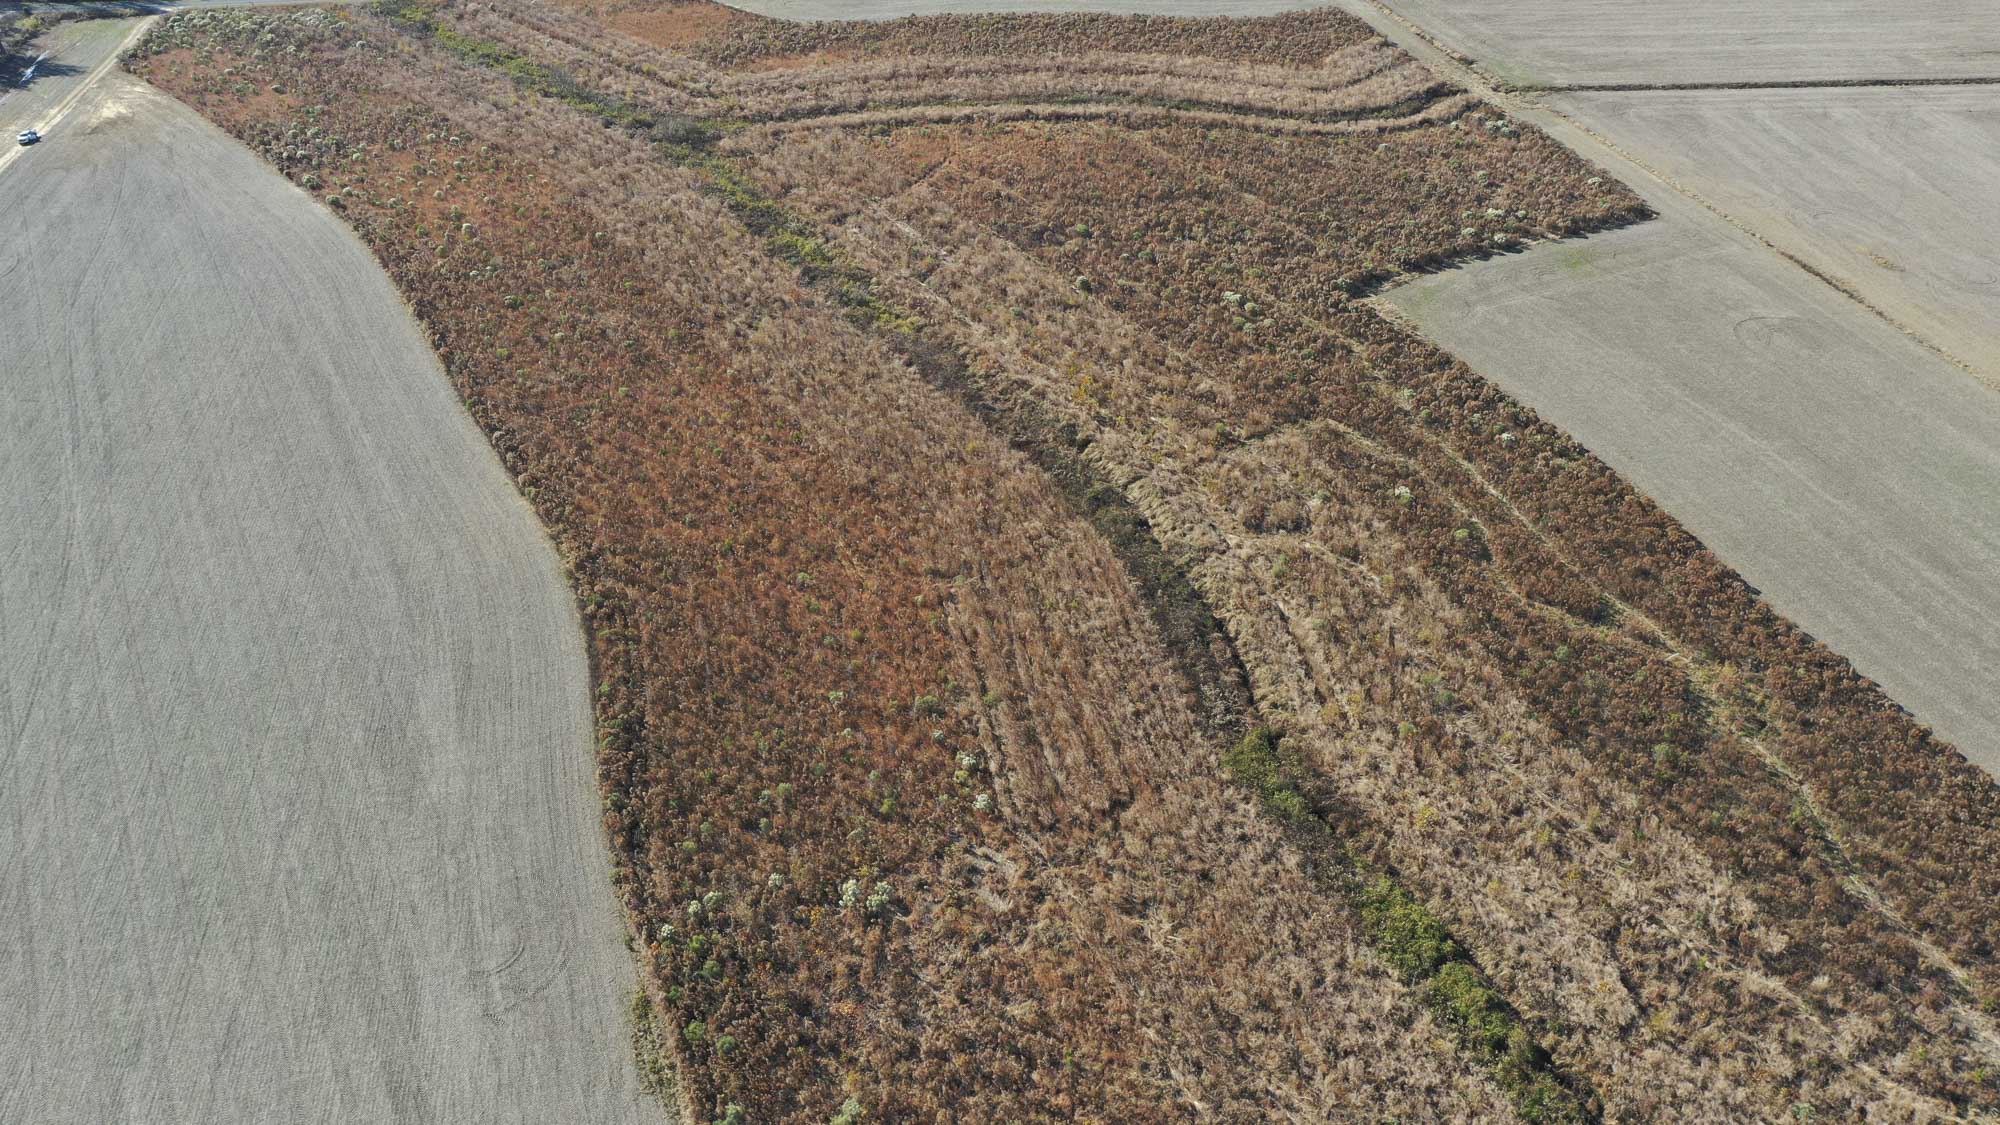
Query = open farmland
x=1890 y=191
x=1060 y=654
x=895 y=9
x=1612 y=42
x=294 y=724
x=1848 y=474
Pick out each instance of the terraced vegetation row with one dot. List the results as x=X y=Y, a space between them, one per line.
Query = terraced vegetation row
x=1061 y=653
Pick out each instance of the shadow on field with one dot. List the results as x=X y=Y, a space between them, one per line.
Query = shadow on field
x=19 y=71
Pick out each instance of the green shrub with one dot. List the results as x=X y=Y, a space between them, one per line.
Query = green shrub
x=1463 y=995
x=1407 y=934
x=1255 y=762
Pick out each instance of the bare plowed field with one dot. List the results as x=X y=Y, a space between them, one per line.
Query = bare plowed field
x=294 y=731
x=1849 y=474
x=1715 y=41
x=1891 y=191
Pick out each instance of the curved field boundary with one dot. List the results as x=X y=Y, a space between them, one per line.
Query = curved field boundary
x=295 y=782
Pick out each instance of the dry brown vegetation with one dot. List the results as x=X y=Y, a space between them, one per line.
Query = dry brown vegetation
x=900 y=461
x=671 y=25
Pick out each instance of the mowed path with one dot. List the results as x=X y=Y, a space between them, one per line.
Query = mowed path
x=296 y=795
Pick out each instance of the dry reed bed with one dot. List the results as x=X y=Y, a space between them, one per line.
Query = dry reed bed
x=1906 y=983
x=1567 y=776
x=829 y=614
x=1364 y=77
x=674 y=26
x=557 y=39
x=576 y=29
x=1499 y=822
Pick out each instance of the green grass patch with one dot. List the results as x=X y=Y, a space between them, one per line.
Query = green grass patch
x=656 y=1068
x=1404 y=931
x=1254 y=762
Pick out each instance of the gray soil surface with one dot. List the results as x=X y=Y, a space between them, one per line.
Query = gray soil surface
x=1820 y=446
x=893 y=9
x=1850 y=474
x=1891 y=191
x=76 y=52
x=127 y=8
x=1537 y=42
x=296 y=787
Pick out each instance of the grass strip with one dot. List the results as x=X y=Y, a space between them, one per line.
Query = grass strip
x=1413 y=940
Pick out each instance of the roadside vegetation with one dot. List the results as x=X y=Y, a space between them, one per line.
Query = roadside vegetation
x=1061 y=652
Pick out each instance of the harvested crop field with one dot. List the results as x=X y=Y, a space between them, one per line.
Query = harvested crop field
x=295 y=781
x=1060 y=653
x=1561 y=42
x=1890 y=191
x=1848 y=474
x=897 y=9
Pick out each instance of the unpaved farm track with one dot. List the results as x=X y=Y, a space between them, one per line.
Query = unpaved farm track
x=295 y=749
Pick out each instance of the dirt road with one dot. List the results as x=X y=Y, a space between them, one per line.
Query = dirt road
x=295 y=749
x=66 y=61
